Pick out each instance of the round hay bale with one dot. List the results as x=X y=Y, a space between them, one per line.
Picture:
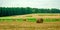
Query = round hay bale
x=24 y=19
x=39 y=20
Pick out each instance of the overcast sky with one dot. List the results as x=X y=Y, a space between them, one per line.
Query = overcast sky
x=30 y=3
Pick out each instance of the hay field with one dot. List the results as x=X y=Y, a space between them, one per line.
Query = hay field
x=28 y=25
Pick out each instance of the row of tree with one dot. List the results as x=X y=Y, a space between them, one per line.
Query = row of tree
x=20 y=11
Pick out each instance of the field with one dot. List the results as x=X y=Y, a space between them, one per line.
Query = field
x=50 y=22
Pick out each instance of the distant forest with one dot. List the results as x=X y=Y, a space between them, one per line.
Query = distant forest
x=4 y=11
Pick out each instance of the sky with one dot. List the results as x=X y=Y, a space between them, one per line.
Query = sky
x=31 y=3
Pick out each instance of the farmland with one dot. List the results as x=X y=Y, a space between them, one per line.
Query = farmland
x=50 y=22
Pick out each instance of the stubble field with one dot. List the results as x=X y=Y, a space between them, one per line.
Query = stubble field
x=50 y=22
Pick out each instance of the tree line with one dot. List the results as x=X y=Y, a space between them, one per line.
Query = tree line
x=20 y=11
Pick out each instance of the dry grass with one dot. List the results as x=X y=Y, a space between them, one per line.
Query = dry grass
x=29 y=26
x=36 y=16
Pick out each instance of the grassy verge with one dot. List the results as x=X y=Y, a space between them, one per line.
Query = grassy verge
x=29 y=19
x=52 y=20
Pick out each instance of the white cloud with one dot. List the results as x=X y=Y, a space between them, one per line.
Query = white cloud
x=30 y=3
